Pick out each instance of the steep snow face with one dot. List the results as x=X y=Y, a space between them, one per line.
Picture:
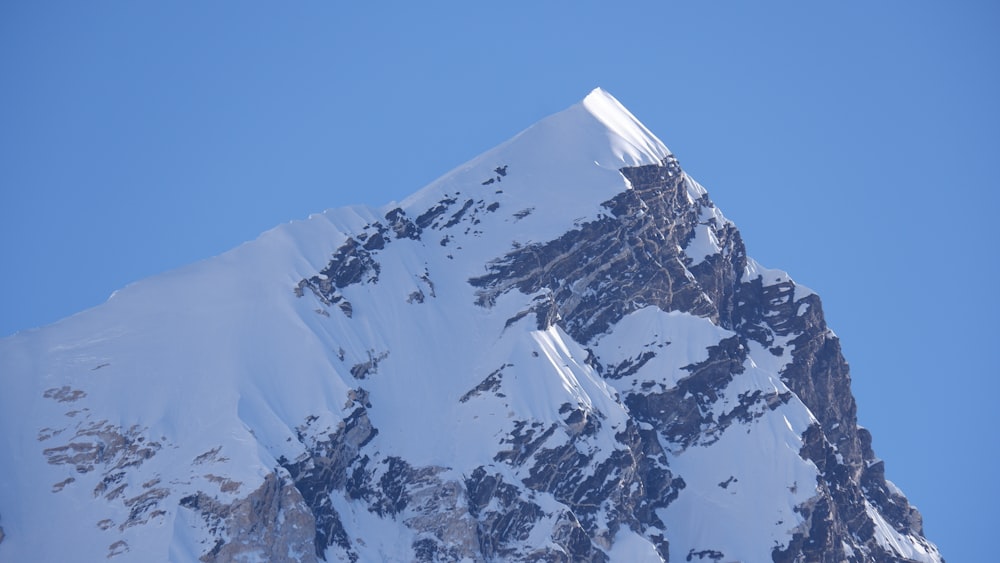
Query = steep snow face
x=558 y=351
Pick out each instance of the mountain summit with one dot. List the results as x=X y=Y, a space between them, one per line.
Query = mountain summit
x=559 y=351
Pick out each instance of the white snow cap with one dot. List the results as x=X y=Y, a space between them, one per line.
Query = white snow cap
x=560 y=150
x=631 y=142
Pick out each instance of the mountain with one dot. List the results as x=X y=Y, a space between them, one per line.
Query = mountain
x=559 y=351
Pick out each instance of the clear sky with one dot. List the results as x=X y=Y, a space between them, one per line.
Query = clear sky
x=853 y=143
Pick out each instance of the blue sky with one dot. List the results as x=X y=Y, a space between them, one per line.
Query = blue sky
x=853 y=143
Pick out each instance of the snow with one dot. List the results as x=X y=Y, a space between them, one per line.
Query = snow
x=220 y=363
x=705 y=242
x=703 y=245
x=630 y=546
x=583 y=146
x=380 y=539
x=756 y=510
x=630 y=141
x=678 y=339
x=905 y=546
x=770 y=276
x=721 y=507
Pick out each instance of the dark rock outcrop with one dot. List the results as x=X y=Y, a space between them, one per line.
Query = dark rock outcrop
x=272 y=522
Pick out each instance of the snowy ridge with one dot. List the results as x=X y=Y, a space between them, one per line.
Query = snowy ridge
x=581 y=149
x=554 y=352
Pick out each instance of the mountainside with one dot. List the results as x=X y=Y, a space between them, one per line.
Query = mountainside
x=559 y=351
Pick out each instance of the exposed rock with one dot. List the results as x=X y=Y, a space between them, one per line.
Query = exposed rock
x=362 y=370
x=64 y=394
x=446 y=530
x=491 y=384
x=457 y=216
x=324 y=471
x=427 y=218
x=352 y=263
x=402 y=226
x=210 y=456
x=610 y=267
x=143 y=507
x=426 y=278
x=103 y=444
x=272 y=523
x=117 y=548
x=62 y=484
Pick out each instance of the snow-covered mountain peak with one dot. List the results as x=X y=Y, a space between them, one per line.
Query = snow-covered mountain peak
x=573 y=155
x=559 y=351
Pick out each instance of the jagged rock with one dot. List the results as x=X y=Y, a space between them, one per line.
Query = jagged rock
x=272 y=523
x=402 y=226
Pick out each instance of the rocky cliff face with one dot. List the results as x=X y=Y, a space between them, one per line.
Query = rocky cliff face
x=588 y=280
x=476 y=375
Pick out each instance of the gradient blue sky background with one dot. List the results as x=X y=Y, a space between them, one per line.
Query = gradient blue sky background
x=855 y=144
